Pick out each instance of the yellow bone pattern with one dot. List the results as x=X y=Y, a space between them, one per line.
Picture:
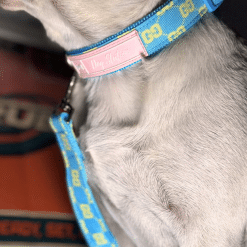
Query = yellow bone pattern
x=72 y=194
x=167 y=7
x=75 y=178
x=86 y=211
x=99 y=238
x=187 y=8
x=203 y=10
x=83 y=225
x=156 y=31
x=65 y=159
x=102 y=225
x=177 y=33
x=90 y=200
x=65 y=142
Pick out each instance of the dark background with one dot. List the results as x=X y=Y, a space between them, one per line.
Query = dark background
x=234 y=14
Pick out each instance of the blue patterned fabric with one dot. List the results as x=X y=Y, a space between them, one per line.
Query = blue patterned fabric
x=90 y=220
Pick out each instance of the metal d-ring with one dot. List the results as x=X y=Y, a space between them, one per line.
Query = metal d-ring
x=65 y=104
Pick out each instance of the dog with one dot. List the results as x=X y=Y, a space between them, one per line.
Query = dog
x=165 y=140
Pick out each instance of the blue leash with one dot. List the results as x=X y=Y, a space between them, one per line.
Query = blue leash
x=90 y=220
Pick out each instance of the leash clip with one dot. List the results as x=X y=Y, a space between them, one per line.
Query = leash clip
x=65 y=104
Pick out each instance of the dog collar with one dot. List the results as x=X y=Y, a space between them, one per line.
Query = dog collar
x=144 y=38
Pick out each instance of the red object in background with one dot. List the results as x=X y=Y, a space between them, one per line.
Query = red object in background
x=32 y=176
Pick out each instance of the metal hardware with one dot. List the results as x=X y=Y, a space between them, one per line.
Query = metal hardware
x=65 y=104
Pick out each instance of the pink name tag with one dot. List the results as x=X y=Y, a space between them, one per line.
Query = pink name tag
x=118 y=54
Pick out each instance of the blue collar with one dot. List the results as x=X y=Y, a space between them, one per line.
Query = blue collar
x=155 y=32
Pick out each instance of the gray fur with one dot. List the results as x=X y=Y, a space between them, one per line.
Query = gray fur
x=165 y=140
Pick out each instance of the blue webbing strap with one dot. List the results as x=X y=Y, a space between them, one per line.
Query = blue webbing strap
x=90 y=220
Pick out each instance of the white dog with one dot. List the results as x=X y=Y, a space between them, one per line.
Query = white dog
x=165 y=140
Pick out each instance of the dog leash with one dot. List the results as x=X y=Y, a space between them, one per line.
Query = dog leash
x=88 y=215
x=146 y=37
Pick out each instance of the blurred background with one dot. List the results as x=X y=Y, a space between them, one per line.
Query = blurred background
x=34 y=76
x=34 y=206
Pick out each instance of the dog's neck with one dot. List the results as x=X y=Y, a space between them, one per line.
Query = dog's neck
x=120 y=98
x=116 y=99
x=161 y=83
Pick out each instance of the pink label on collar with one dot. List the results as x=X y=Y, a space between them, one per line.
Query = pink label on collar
x=116 y=55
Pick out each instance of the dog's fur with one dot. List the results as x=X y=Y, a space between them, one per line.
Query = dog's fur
x=165 y=140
